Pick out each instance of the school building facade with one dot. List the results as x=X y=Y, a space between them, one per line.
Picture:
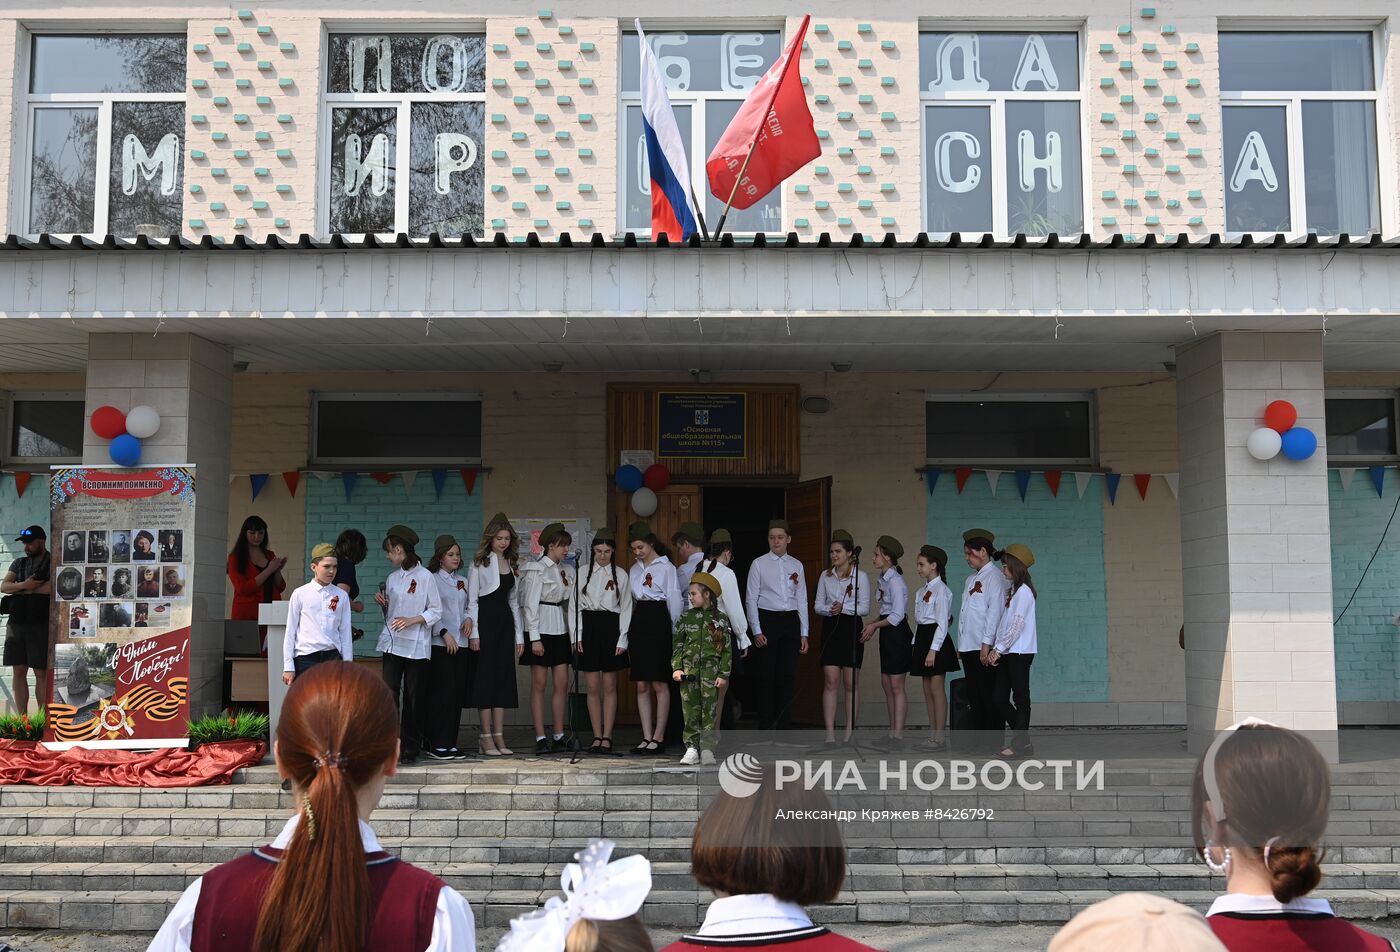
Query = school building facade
x=1044 y=279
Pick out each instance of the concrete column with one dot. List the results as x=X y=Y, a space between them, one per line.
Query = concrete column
x=188 y=380
x=1256 y=564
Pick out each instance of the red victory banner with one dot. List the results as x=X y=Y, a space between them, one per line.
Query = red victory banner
x=120 y=619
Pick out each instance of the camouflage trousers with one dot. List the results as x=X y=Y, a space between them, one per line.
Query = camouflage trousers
x=698 y=711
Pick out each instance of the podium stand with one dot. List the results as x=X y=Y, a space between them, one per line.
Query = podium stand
x=274 y=616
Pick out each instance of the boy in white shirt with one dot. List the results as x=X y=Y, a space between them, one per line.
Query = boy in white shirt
x=318 y=619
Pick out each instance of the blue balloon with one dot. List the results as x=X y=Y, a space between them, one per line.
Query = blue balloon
x=629 y=478
x=1299 y=443
x=125 y=450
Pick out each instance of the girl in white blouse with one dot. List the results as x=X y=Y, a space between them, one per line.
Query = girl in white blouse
x=843 y=600
x=448 y=671
x=656 y=604
x=604 y=609
x=411 y=612
x=896 y=640
x=1014 y=650
x=498 y=637
x=935 y=654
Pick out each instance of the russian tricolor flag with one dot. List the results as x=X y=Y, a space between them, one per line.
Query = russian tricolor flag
x=671 y=195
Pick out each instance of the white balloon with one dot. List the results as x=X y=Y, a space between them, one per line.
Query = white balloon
x=142 y=422
x=1263 y=444
x=644 y=502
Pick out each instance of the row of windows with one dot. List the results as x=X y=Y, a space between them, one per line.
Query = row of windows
x=1003 y=120
x=370 y=428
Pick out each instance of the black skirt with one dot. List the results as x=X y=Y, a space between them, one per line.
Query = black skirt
x=895 y=649
x=492 y=671
x=557 y=651
x=945 y=661
x=839 y=633
x=599 y=637
x=649 y=641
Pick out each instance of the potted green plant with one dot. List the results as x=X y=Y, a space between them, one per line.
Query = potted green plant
x=229 y=727
x=21 y=730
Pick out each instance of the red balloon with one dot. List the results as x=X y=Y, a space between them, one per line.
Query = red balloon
x=108 y=422
x=1280 y=415
x=656 y=478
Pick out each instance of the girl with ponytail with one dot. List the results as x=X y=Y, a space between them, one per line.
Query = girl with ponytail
x=325 y=883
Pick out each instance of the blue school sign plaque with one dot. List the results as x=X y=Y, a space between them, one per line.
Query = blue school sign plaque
x=699 y=425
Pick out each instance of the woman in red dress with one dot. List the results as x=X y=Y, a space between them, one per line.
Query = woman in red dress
x=256 y=574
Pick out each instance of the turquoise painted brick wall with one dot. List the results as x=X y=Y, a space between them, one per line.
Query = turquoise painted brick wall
x=373 y=508
x=1066 y=534
x=1367 y=643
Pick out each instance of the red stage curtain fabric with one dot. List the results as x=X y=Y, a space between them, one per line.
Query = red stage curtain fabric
x=27 y=762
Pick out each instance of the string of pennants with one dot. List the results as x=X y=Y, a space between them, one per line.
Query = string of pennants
x=1053 y=478
x=1377 y=473
x=258 y=481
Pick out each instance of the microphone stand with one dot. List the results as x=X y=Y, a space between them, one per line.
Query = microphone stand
x=575 y=745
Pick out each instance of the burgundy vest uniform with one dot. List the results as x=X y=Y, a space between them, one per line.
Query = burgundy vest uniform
x=403 y=903
x=810 y=939
x=1293 y=932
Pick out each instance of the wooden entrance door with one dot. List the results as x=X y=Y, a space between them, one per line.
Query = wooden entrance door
x=674 y=505
x=808 y=511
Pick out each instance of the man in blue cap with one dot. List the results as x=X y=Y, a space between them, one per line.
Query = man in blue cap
x=27 y=588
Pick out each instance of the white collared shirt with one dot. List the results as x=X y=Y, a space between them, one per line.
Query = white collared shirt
x=832 y=588
x=777 y=583
x=485 y=579
x=454 y=926
x=657 y=583
x=1016 y=635
x=893 y=596
x=318 y=619
x=452 y=592
x=687 y=569
x=410 y=592
x=606 y=589
x=983 y=601
x=933 y=605
x=759 y=914
x=1268 y=905
x=545 y=589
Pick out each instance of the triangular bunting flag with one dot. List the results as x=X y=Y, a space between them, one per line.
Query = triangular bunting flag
x=1143 y=480
x=408 y=477
x=348 y=479
x=1346 y=475
x=439 y=481
x=1081 y=482
x=961 y=475
x=259 y=480
x=993 y=477
x=469 y=479
x=1173 y=483
x=1378 y=479
x=21 y=482
x=382 y=478
x=1023 y=482
x=1052 y=479
x=293 y=479
x=322 y=475
x=1111 y=481
x=931 y=478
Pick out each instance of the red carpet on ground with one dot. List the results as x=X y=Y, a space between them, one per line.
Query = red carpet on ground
x=28 y=762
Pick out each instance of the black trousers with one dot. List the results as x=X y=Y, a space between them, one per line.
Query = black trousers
x=987 y=720
x=1013 y=687
x=442 y=701
x=405 y=679
x=302 y=663
x=775 y=666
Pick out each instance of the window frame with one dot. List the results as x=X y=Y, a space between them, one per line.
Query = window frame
x=386 y=396
x=1292 y=103
x=403 y=122
x=1013 y=463
x=995 y=102
x=11 y=397
x=31 y=102
x=696 y=101
x=1362 y=393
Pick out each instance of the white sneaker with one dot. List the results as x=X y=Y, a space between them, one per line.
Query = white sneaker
x=691 y=758
x=707 y=757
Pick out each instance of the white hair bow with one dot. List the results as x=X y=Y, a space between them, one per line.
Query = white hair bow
x=593 y=889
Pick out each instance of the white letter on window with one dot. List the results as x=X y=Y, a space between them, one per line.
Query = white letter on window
x=1254 y=165
x=643 y=166
x=674 y=69
x=430 y=73
x=732 y=61
x=456 y=152
x=1030 y=162
x=943 y=162
x=135 y=159
x=945 y=80
x=360 y=47
x=1035 y=66
x=373 y=165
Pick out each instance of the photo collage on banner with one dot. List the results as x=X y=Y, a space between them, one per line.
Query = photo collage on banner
x=122 y=607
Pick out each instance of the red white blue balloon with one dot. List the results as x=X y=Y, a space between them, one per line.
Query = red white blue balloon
x=644 y=502
x=1264 y=443
x=125 y=450
x=142 y=422
x=628 y=478
x=1299 y=443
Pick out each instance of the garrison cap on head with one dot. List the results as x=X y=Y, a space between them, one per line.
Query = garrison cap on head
x=841 y=535
x=891 y=547
x=721 y=537
x=554 y=528
x=1021 y=553
x=934 y=554
x=638 y=531
x=707 y=580
x=444 y=542
x=499 y=519
x=692 y=531
x=779 y=524
x=971 y=534
x=321 y=550
x=33 y=532
x=403 y=532
x=606 y=534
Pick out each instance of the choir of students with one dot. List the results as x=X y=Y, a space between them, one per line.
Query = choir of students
x=454 y=634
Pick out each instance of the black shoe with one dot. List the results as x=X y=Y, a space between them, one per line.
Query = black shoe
x=559 y=743
x=458 y=754
x=438 y=753
x=542 y=745
x=408 y=757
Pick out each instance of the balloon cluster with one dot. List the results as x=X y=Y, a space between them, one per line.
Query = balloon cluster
x=125 y=430
x=643 y=485
x=1280 y=435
